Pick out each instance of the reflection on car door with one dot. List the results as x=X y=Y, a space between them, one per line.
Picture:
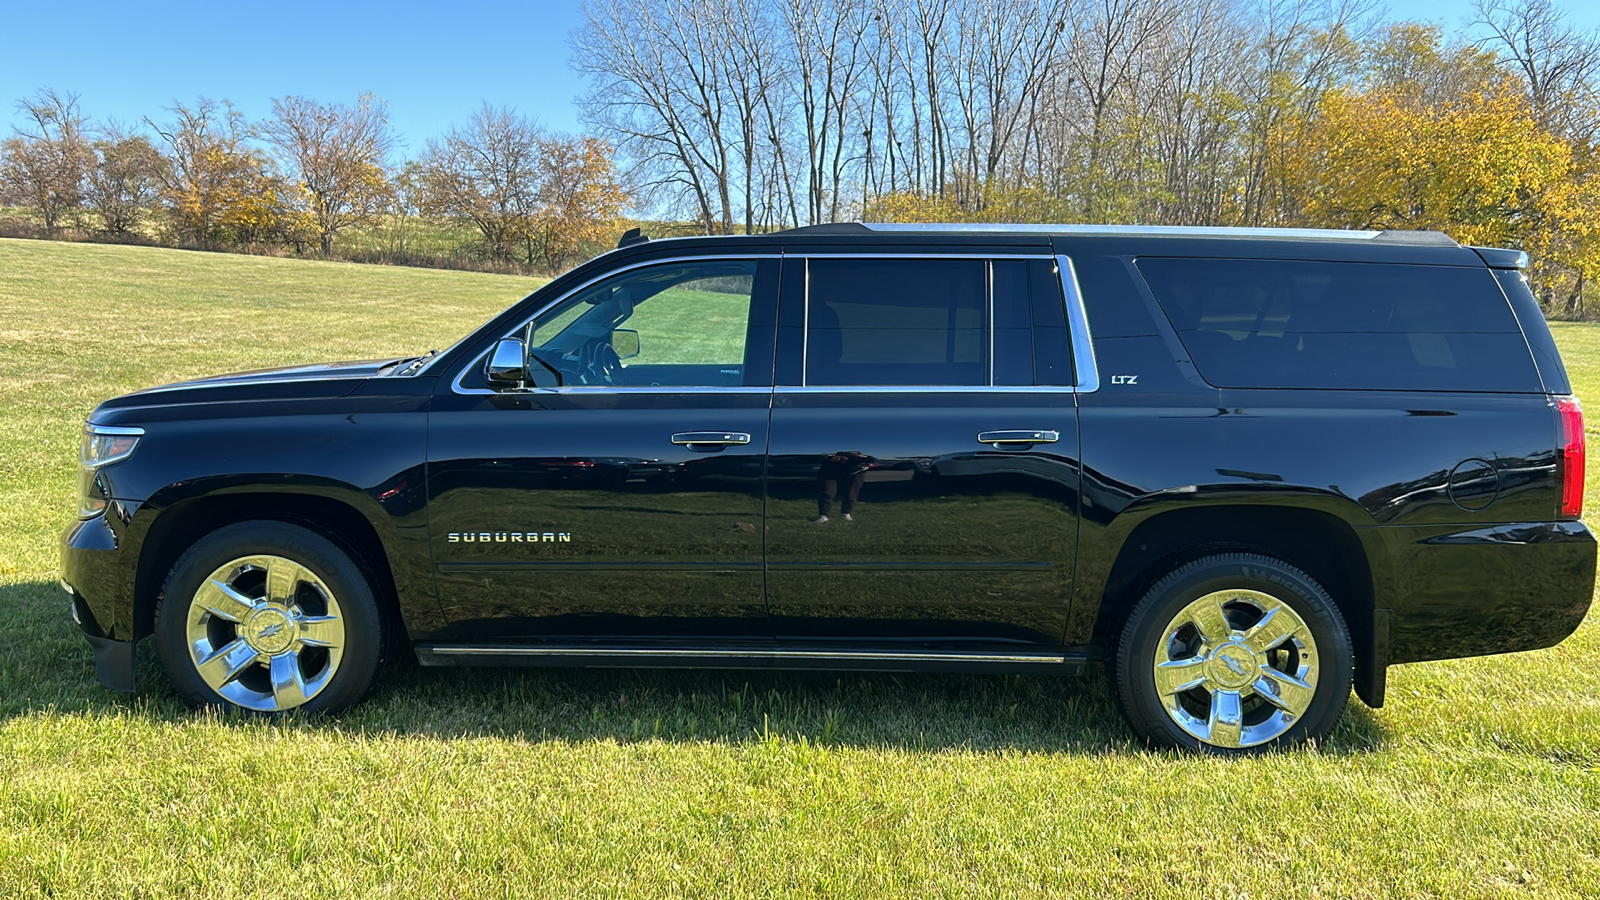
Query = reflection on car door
x=919 y=487
x=628 y=502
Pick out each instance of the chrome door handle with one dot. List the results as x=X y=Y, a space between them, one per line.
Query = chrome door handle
x=998 y=438
x=710 y=438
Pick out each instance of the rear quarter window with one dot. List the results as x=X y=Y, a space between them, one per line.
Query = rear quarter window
x=1358 y=326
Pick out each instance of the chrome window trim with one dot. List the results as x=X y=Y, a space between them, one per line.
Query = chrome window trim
x=805 y=324
x=926 y=389
x=626 y=388
x=1086 y=373
x=455 y=385
x=1085 y=370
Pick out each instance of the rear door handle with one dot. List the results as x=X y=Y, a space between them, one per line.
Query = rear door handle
x=710 y=438
x=997 y=438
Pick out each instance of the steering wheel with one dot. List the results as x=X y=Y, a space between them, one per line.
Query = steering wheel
x=598 y=362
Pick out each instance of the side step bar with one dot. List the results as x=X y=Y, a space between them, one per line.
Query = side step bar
x=1061 y=662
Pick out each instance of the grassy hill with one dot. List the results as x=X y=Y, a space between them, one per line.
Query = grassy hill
x=1480 y=779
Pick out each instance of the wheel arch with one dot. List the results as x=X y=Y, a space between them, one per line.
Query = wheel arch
x=185 y=520
x=1327 y=546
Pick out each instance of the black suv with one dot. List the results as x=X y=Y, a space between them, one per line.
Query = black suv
x=1244 y=468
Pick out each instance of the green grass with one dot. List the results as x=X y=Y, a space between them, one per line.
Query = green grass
x=1480 y=779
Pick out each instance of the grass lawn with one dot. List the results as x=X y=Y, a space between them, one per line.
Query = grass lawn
x=1480 y=779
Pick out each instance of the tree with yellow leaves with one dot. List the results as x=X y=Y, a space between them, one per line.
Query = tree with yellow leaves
x=217 y=189
x=580 y=199
x=1475 y=165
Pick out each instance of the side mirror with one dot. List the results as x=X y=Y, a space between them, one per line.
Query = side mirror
x=508 y=364
x=625 y=341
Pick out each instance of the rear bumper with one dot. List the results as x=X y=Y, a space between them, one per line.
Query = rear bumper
x=1493 y=589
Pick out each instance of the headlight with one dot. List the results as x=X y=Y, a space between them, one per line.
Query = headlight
x=102 y=445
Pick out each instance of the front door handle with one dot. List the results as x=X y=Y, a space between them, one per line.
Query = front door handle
x=710 y=438
x=999 y=438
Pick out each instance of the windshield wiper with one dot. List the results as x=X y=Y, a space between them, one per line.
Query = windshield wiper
x=411 y=367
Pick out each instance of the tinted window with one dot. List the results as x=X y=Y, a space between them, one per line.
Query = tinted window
x=1030 y=324
x=896 y=322
x=1013 y=323
x=1551 y=370
x=678 y=324
x=1052 y=348
x=1289 y=324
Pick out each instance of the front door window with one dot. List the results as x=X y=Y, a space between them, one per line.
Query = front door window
x=673 y=325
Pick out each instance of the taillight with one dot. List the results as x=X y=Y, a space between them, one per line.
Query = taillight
x=1571 y=456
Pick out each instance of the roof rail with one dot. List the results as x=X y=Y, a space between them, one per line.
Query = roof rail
x=1199 y=231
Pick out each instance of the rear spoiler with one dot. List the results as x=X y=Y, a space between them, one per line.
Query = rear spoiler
x=1502 y=258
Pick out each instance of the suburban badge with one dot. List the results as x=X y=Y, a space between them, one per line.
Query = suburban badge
x=509 y=537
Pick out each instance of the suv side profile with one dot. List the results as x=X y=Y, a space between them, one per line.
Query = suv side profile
x=1246 y=469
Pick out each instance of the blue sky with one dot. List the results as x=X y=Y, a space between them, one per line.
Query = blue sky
x=433 y=63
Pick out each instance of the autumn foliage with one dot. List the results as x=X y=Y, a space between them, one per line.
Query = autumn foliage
x=311 y=174
x=1478 y=167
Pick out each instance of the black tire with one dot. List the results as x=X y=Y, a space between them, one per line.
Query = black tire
x=362 y=650
x=1146 y=635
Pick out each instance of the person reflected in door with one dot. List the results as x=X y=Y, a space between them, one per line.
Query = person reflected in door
x=847 y=468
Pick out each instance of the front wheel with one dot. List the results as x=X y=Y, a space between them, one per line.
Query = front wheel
x=1234 y=653
x=268 y=617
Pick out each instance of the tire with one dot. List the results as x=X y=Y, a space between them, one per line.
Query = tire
x=268 y=617
x=1233 y=654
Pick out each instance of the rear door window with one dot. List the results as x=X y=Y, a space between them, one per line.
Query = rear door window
x=1296 y=324
x=896 y=322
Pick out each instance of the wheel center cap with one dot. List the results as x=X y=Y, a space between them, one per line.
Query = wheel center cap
x=269 y=630
x=1232 y=665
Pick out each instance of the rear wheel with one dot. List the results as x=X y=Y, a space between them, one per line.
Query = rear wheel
x=268 y=617
x=1234 y=653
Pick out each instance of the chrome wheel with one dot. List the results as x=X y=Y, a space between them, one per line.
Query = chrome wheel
x=1236 y=668
x=265 y=633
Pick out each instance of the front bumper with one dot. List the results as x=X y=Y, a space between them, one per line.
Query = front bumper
x=97 y=570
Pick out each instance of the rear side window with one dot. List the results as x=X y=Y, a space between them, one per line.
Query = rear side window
x=1363 y=326
x=896 y=322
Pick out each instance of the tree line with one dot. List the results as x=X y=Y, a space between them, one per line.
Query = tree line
x=749 y=115
x=306 y=176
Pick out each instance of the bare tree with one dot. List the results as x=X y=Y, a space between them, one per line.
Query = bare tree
x=125 y=182
x=487 y=173
x=44 y=164
x=337 y=155
x=1558 y=64
x=827 y=38
x=754 y=76
x=658 y=92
